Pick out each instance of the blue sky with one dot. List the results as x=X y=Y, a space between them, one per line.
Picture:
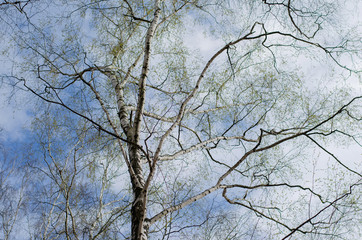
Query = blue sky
x=17 y=111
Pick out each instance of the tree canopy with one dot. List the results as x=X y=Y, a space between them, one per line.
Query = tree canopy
x=183 y=119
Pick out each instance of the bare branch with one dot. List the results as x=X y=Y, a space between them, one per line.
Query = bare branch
x=322 y=210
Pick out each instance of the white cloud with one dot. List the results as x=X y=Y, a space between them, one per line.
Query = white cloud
x=196 y=40
x=14 y=116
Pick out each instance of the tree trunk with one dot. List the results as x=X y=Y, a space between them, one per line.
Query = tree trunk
x=138 y=210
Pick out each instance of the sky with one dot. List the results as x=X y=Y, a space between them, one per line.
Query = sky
x=16 y=114
x=16 y=117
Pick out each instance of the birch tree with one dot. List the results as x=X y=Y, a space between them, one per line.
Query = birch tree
x=191 y=119
x=13 y=185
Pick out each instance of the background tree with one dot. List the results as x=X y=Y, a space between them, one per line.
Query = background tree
x=141 y=134
x=13 y=184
